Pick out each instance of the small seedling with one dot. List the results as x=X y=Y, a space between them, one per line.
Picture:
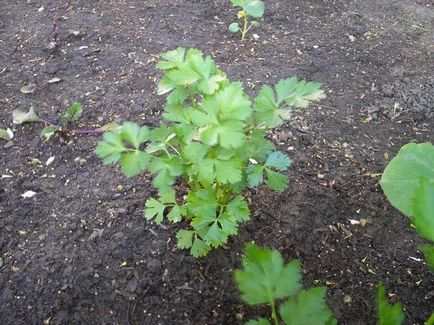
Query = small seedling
x=408 y=182
x=265 y=279
x=6 y=134
x=212 y=147
x=249 y=8
x=67 y=121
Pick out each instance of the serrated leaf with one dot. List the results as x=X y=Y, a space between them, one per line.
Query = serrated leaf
x=276 y=181
x=430 y=320
x=203 y=203
x=264 y=276
x=402 y=176
x=6 y=134
x=239 y=209
x=175 y=214
x=48 y=131
x=195 y=152
x=20 y=117
x=110 y=148
x=74 y=112
x=134 y=134
x=185 y=238
x=171 y=59
x=234 y=27
x=229 y=134
x=278 y=160
x=255 y=175
x=215 y=236
x=308 y=308
x=154 y=209
x=228 y=171
x=199 y=248
x=133 y=163
x=228 y=224
x=388 y=314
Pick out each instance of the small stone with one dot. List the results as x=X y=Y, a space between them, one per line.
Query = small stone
x=8 y=144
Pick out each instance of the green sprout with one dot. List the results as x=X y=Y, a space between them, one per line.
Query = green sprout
x=250 y=8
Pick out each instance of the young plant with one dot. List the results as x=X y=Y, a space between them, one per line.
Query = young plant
x=67 y=121
x=211 y=148
x=408 y=182
x=249 y=8
x=265 y=279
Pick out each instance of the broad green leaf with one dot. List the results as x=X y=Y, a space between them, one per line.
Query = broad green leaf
x=278 y=160
x=20 y=117
x=48 y=131
x=229 y=134
x=388 y=314
x=233 y=28
x=305 y=93
x=402 y=177
x=259 y=321
x=228 y=171
x=185 y=238
x=423 y=207
x=264 y=276
x=228 y=224
x=309 y=308
x=199 y=248
x=154 y=209
x=132 y=163
x=255 y=175
x=6 y=134
x=73 y=113
x=175 y=214
x=239 y=209
x=276 y=181
x=259 y=148
x=428 y=251
x=254 y=8
x=195 y=152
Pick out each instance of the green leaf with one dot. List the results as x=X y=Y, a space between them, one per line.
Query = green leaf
x=134 y=134
x=402 y=177
x=110 y=148
x=203 y=203
x=185 y=238
x=229 y=134
x=194 y=152
x=132 y=163
x=255 y=24
x=430 y=320
x=175 y=214
x=228 y=224
x=260 y=321
x=199 y=248
x=228 y=171
x=154 y=209
x=278 y=160
x=428 y=251
x=215 y=236
x=388 y=314
x=6 y=134
x=167 y=169
x=254 y=8
x=276 y=181
x=20 y=117
x=239 y=209
x=171 y=59
x=255 y=175
x=265 y=277
x=423 y=207
x=48 y=131
x=233 y=28
x=309 y=308
x=298 y=93
x=73 y=113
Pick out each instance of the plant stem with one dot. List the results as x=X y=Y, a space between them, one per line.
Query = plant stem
x=94 y=131
x=245 y=29
x=273 y=313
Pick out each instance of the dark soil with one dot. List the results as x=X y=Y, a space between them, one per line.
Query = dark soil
x=80 y=251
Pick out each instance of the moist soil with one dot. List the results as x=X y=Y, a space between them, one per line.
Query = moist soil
x=80 y=250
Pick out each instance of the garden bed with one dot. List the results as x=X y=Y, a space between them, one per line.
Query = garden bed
x=80 y=250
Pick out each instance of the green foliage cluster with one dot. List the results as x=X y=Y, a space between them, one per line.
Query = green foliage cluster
x=212 y=146
x=249 y=8
x=408 y=182
x=265 y=278
x=388 y=314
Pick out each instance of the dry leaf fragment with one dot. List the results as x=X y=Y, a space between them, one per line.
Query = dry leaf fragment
x=28 y=194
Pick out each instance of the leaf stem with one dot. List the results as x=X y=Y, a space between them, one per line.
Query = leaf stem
x=245 y=29
x=273 y=312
